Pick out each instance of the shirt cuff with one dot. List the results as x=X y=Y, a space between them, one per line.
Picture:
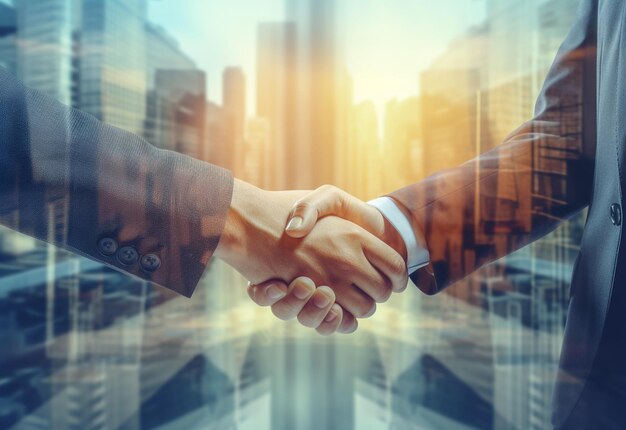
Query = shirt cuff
x=417 y=254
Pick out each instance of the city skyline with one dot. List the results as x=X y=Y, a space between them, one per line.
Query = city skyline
x=480 y=355
x=379 y=66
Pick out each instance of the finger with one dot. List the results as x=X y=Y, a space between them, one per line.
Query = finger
x=353 y=300
x=371 y=281
x=329 y=200
x=348 y=324
x=332 y=321
x=318 y=306
x=267 y=293
x=300 y=290
x=387 y=261
x=309 y=209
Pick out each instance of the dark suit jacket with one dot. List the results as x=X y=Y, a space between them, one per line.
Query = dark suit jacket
x=568 y=157
x=109 y=195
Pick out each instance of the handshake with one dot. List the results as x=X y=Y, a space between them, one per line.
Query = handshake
x=324 y=257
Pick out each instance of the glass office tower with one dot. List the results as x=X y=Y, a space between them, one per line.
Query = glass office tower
x=113 y=80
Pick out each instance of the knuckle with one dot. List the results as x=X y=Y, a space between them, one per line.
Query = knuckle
x=328 y=188
x=353 y=233
x=300 y=206
x=397 y=266
x=335 y=195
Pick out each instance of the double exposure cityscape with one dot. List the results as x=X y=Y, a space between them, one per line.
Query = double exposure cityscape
x=86 y=347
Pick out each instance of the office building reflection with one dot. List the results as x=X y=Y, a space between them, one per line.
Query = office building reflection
x=180 y=117
x=234 y=102
x=86 y=347
x=276 y=93
x=45 y=63
x=113 y=59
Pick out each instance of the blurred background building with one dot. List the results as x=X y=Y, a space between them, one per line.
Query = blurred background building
x=88 y=348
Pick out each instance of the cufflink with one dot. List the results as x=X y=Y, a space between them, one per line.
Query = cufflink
x=128 y=255
x=107 y=246
x=150 y=262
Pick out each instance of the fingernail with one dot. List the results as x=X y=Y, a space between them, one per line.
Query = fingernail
x=275 y=292
x=301 y=291
x=332 y=315
x=321 y=301
x=295 y=223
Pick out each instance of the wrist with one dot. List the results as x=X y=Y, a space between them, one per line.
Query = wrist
x=233 y=237
x=392 y=237
x=392 y=225
x=253 y=230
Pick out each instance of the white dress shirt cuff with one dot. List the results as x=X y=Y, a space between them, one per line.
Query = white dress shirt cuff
x=417 y=254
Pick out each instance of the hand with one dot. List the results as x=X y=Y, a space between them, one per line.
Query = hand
x=330 y=200
x=314 y=307
x=360 y=268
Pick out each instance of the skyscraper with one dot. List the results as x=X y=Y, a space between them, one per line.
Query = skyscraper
x=450 y=102
x=449 y=99
x=364 y=164
x=113 y=72
x=512 y=64
x=163 y=52
x=161 y=125
x=44 y=28
x=234 y=96
x=403 y=146
x=180 y=112
x=220 y=136
x=318 y=74
x=255 y=154
x=276 y=92
x=234 y=103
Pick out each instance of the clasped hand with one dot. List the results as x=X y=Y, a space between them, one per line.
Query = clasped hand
x=324 y=257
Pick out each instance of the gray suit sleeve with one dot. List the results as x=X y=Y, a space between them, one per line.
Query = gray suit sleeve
x=154 y=214
x=541 y=175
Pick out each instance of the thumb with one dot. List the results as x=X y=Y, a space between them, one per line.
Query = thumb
x=302 y=219
x=329 y=200
x=326 y=200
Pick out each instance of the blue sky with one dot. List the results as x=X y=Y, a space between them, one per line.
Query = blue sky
x=387 y=42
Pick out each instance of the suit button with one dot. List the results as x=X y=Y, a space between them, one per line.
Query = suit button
x=150 y=262
x=616 y=214
x=128 y=255
x=107 y=246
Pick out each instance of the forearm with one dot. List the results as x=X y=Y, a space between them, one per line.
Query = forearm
x=490 y=207
x=115 y=186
